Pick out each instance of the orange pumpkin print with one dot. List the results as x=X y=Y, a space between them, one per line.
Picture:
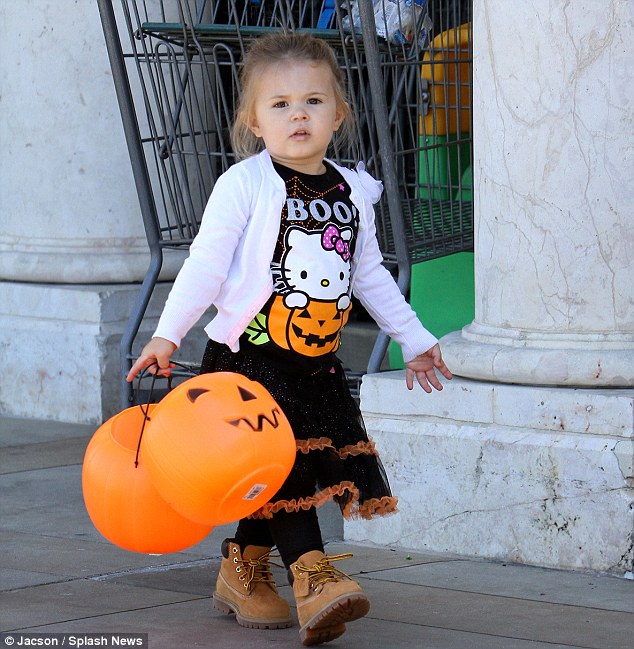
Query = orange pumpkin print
x=311 y=330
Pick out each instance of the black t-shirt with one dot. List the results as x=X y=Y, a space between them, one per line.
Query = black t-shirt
x=301 y=323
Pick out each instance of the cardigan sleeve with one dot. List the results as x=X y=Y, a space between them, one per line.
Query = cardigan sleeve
x=380 y=295
x=204 y=271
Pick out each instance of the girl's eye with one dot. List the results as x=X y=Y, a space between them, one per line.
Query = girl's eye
x=280 y=104
x=314 y=100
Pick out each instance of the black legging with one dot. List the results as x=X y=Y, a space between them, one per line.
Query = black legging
x=294 y=533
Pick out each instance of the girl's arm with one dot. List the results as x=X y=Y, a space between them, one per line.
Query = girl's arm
x=422 y=367
x=157 y=352
x=201 y=277
x=210 y=255
x=380 y=295
x=376 y=289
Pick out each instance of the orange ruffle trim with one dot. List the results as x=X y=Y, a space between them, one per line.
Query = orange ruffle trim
x=305 y=446
x=360 y=448
x=352 y=510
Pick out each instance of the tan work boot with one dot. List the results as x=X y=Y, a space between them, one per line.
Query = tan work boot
x=326 y=597
x=245 y=587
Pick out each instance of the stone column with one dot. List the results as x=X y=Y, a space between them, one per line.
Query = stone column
x=539 y=472
x=72 y=244
x=69 y=208
x=554 y=193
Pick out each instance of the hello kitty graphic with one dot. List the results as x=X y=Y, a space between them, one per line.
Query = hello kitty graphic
x=316 y=265
x=312 y=304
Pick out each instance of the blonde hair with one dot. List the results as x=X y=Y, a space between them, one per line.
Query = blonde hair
x=275 y=48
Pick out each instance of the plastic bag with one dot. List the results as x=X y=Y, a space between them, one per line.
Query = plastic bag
x=398 y=21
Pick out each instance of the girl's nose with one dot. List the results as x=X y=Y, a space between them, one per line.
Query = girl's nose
x=299 y=114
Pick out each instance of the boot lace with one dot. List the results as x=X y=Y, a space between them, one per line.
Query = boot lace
x=323 y=572
x=256 y=570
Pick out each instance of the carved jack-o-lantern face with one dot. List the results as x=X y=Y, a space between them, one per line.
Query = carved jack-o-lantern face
x=311 y=330
x=247 y=407
x=218 y=446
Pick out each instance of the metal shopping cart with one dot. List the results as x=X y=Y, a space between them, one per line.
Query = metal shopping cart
x=176 y=68
x=421 y=87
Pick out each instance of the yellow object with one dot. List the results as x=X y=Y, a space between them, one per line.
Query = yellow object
x=446 y=68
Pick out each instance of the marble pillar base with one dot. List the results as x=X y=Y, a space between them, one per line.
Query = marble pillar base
x=59 y=345
x=533 y=475
x=64 y=262
x=541 y=358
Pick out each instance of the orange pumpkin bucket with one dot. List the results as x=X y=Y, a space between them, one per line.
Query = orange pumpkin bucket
x=121 y=500
x=218 y=447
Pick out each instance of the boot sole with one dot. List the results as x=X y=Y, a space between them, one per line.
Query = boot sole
x=329 y=623
x=311 y=637
x=224 y=606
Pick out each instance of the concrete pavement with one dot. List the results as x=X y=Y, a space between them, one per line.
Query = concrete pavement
x=57 y=574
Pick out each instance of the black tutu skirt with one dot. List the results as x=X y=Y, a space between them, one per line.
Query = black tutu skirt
x=335 y=459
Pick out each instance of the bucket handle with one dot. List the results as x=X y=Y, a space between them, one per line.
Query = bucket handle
x=145 y=407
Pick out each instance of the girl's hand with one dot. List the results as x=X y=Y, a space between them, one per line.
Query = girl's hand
x=423 y=367
x=157 y=352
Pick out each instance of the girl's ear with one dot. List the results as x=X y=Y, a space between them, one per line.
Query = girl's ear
x=249 y=121
x=252 y=124
x=340 y=114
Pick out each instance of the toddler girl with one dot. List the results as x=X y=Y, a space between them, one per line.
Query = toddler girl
x=285 y=239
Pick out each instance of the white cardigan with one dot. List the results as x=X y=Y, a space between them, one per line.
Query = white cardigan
x=229 y=261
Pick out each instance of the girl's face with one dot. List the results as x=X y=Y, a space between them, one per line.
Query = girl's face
x=296 y=113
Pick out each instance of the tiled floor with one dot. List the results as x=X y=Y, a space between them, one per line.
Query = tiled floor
x=57 y=574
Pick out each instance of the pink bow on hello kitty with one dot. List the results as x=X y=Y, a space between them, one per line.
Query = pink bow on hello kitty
x=331 y=239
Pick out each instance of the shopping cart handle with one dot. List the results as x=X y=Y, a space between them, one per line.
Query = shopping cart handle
x=425 y=96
